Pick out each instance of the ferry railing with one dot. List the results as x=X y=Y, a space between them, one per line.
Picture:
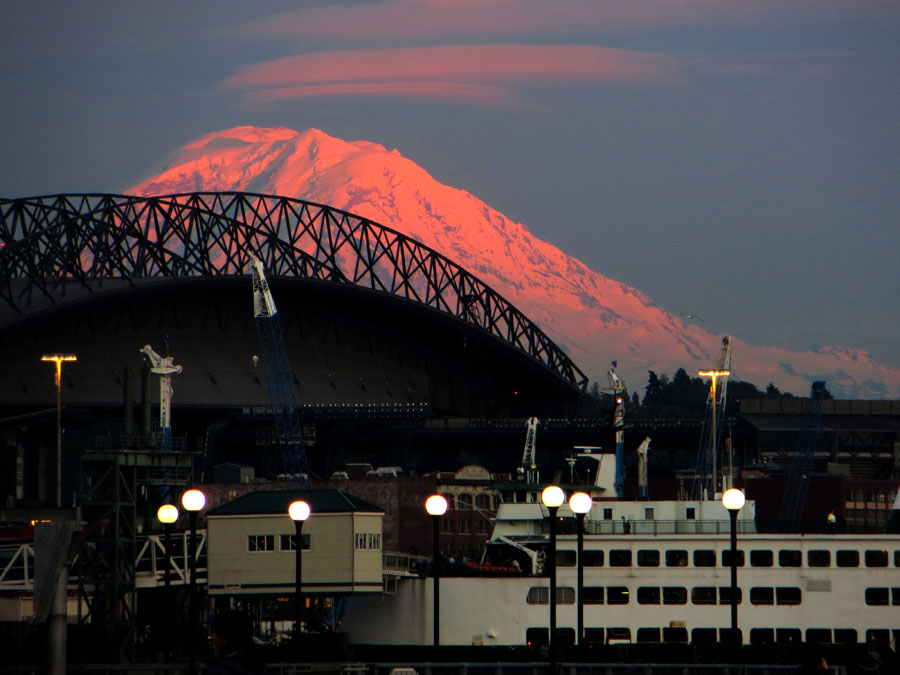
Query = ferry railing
x=659 y=527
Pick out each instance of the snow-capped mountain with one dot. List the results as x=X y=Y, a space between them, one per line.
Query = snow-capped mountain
x=594 y=318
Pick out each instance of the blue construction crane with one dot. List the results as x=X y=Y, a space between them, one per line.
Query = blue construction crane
x=705 y=482
x=797 y=485
x=278 y=376
x=620 y=393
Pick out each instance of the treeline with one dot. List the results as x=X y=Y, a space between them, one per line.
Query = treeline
x=685 y=396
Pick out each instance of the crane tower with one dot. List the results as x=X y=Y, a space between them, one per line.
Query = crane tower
x=165 y=367
x=278 y=376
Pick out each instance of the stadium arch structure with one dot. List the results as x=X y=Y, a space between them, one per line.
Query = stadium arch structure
x=376 y=324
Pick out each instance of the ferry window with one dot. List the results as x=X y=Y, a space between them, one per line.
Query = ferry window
x=594 y=635
x=704 y=557
x=565 y=558
x=703 y=595
x=538 y=595
x=620 y=558
x=847 y=558
x=790 y=558
x=819 y=635
x=876 y=558
x=648 y=513
x=537 y=637
x=762 y=595
x=726 y=558
x=483 y=502
x=878 y=635
x=618 y=635
x=607 y=514
x=895 y=596
x=261 y=542
x=676 y=558
x=690 y=513
x=648 y=558
x=565 y=637
x=617 y=595
x=593 y=595
x=675 y=634
x=787 y=595
x=593 y=558
x=464 y=501
x=648 y=595
x=787 y=635
x=818 y=558
x=846 y=636
x=897 y=558
x=703 y=635
x=877 y=596
x=761 y=558
x=725 y=595
x=762 y=636
x=565 y=595
x=674 y=595
x=648 y=635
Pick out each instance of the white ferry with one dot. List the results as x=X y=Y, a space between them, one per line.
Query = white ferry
x=666 y=581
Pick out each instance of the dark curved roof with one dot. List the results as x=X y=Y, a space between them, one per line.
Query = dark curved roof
x=61 y=249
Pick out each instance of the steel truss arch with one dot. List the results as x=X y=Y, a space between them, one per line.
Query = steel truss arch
x=63 y=247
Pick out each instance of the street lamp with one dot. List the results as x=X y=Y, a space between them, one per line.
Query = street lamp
x=733 y=500
x=167 y=514
x=193 y=501
x=298 y=511
x=714 y=374
x=552 y=497
x=58 y=359
x=436 y=506
x=580 y=503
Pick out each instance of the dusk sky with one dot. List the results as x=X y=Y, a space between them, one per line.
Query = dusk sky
x=737 y=161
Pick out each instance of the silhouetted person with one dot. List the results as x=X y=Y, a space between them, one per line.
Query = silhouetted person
x=232 y=636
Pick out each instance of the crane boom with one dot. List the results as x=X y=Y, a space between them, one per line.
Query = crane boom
x=704 y=484
x=278 y=376
x=528 y=470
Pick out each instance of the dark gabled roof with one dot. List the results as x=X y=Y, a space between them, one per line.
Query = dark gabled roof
x=277 y=502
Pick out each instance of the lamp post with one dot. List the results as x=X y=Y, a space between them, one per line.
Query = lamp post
x=193 y=501
x=167 y=514
x=733 y=500
x=298 y=511
x=552 y=497
x=436 y=506
x=714 y=374
x=58 y=359
x=580 y=503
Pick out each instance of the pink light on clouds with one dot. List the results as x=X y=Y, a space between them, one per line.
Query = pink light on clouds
x=478 y=73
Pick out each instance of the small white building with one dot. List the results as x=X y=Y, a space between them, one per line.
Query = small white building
x=251 y=544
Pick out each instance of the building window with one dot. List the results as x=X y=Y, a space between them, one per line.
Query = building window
x=847 y=558
x=593 y=595
x=620 y=558
x=787 y=595
x=761 y=558
x=375 y=541
x=261 y=542
x=648 y=558
x=593 y=558
x=876 y=558
x=648 y=595
x=703 y=595
x=617 y=595
x=674 y=595
x=464 y=526
x=818 y=558
x=762 y=595
x=464 y=502
x=360 y=540
x=288 y=542
x=704 y=557
x=446 y=526
x=877 y=596
x=676 y=558
x=482 y=526
x=483 y=502
x=790 y=558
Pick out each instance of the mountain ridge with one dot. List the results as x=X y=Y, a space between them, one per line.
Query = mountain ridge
x=594 y=318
